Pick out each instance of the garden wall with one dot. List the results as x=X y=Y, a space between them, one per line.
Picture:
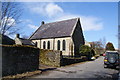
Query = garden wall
x=56 y=59
x=72 y=60
x=18 y=59
x=50 y=57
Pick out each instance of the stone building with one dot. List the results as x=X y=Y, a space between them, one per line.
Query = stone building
x=66 y=36
x=21 y=41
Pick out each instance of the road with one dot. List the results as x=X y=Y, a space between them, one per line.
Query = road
x=90 y=69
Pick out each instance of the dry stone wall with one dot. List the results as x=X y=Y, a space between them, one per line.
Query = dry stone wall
x=50 y=57
x=19 y=59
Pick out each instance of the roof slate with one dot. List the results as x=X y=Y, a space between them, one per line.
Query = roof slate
x=26 y=41
x=55 y=29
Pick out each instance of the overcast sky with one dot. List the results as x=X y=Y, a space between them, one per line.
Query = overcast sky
x=98 y=19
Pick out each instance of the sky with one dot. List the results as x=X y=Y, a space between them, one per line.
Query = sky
x=99 y=20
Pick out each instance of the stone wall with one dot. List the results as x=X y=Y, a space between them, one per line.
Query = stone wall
x=72 y=60
x=50 y=57
x=18 y=59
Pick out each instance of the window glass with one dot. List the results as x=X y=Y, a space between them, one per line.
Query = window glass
x=44 y=45
x=36 y=44
x=58 y=45
x=48 y=45
x=64 y=44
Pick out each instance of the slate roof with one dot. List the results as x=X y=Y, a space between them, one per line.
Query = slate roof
x=55 y=29
x=6 y=40
x=26 y=42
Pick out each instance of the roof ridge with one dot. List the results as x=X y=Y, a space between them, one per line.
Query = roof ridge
x=60 y=21
x=73 y=20
x=52 y=23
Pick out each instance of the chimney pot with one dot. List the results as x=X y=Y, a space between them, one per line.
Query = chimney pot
x=17 y=35
x=42 y=22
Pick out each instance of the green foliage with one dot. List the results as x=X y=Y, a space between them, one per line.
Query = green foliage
x=109 y=46
x=86 y=51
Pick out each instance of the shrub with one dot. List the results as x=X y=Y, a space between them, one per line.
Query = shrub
x=109 y=46
x=86 y=51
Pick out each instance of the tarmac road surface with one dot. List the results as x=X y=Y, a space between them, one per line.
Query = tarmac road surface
x=91 y=69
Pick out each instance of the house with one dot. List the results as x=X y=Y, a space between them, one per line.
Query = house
x=21 y=41
x=5 y=40
x=66 y=36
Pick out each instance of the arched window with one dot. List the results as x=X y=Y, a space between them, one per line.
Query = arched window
x=36 y=44
x=48 y=45
x=63 y=44
x=58 y=45
x=44 y=45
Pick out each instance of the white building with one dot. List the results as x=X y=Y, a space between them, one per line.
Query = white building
x=65 y=36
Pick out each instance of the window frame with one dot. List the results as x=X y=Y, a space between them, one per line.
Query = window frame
x=48 y=45
x=63 y=45
x=44 y=45
x=58 y=45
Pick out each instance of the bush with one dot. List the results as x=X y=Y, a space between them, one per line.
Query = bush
x=109 y=46
x=86 y=51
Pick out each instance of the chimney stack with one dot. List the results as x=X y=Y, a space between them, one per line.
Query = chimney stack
x=42 y=22
x=17 y=35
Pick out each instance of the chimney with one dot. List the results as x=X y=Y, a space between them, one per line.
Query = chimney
x=42 y=22
x=17 y=35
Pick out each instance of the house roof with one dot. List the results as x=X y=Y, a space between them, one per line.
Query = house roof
x=26 y=41
x=55 y=29
x=6 y=40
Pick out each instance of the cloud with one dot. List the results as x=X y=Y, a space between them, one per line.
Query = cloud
x=91 y=23
x=46 y=9
x=28 y=21
x=32 y=26
x=9 y=21
x=56 y=13
x=88 y=23
x=53 y=9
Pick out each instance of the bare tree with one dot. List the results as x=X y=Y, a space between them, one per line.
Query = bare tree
x=98 y=46
x=11 y=12
x=103 y=42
